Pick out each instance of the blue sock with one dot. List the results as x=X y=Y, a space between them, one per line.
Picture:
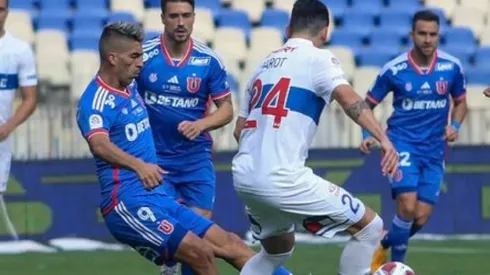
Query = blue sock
x=397 y=238
x=186 y=270
x=415 y=228
x=281 y=271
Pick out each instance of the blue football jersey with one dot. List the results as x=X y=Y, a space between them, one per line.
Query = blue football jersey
x=123 y=117
x=421 y=99
x=179 y=90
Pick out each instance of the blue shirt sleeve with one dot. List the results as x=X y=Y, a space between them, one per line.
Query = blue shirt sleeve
x=458 y=89
x=92 y=121
x=382 y=86
x=218 y=82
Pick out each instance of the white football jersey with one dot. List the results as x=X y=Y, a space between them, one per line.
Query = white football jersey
x=282 y=106
x=17 y=69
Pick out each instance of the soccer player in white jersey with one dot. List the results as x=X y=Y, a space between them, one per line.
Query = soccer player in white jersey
x=276 y=124
x=17 y=71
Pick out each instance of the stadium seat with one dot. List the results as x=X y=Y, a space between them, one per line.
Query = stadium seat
x=122 y=16
x=476 y=122
x=91 y=4
x=26 y=5
x=153 y=3
x=371 y=7
x=464 y=54
x=405 y=4
x=213 y=5
x=83 y=67
x=254 y=8
x=336 y=7
x=54 y=4
x=20 y=25
x=482 y=5
x=56 y=19
x=346 y=57
x=478 y=76
x=204 y=28
x=469 y=17
x=84 y=43
x=285 y=5
x=135 y=7
x=230 y=43
x=461 y=36
x=233 y=67
x=235 y=19
x=266 y=38
x=152 y=20
x=89 y=19
x=382 y=37
x=359 y=20
x=364 y=78
x=347 y=37
x=399 y=20
x=482 y=58
x=52 y=52
x=443 y=18
x=376 y=56
x=447 y=6
x=485 y=36
x=275 y=18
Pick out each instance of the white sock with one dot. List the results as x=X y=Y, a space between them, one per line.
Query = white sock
x=6 y=219
x=358 y=252
x=265 y=264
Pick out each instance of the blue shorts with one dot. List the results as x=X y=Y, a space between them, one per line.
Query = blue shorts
x=194 y=184
x=418 y=173
x=154 y=225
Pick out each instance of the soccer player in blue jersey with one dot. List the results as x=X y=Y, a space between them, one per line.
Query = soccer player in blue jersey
x=424 y=81
x=112 y=117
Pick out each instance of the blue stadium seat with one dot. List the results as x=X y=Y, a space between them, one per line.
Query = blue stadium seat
x=84 y=43
x=482 y=57
x=55 y=4
x=233 y=82
x=337 y=7
x=461 y=36
x=358 y=19
x=86 y=34
x=213 y=5
x=442 y=15
x=400 y=20
x=376 y=56
x=464 y=54
x=152 y=3
x=274 y=18
x=381 y=37
x=53 y=19
x=372 y=7
x=91 y=4
x=405 y=4
x=89 y=19
x=235 y=18
x=26 y=5
x=122 y=16
x=477 y=76
x=347 y=37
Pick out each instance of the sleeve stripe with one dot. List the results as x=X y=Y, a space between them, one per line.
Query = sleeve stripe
x=460 y=97
x=97 y=132
x=371 y=98
x=221 y=95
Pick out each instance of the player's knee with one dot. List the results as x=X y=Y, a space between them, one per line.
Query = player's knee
x=407 y=205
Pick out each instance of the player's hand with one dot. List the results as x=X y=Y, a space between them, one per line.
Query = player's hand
x=190 y=129
x=487 y=92
x=451 y=134
x=389 y=162
x=150 y=175
x=5 y=131
x=367 y=144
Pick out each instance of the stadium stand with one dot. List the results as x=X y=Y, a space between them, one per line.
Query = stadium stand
x=364 y=35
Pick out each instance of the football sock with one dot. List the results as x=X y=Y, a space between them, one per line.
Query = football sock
x=397 y=238
x=264 y=263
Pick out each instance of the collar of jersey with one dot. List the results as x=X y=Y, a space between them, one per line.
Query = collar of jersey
x=106 y=86
x=417 y=67
x=169 y=58
x=299 y=41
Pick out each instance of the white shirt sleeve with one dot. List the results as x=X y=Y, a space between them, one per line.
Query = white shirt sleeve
x=27 y=67
x=327 y=74
x=245 y=102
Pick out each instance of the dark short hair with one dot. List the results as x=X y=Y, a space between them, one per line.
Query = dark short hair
x=117 y=31
x=309 y=15
x=163 y=3
x=424 y=15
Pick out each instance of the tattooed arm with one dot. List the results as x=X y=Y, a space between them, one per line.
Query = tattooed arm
x=358 y=110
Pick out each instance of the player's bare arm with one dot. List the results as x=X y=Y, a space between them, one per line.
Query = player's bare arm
x=149 y=174
x=240 y=123
x=369 y=142
x=457 y=116
x=25 y=109
x=360 y=112
x=222 y=116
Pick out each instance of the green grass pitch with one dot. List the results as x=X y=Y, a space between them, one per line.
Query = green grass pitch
x=426 y=258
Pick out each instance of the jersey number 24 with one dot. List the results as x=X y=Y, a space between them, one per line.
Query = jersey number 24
x=274 y=103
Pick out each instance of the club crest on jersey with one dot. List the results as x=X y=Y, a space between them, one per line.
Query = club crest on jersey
x=153 y=77
x=193 y=84
x=408 y=86
x=442 y=86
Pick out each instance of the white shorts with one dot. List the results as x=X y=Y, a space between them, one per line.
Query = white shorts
x=275 y=207
x=5 y=159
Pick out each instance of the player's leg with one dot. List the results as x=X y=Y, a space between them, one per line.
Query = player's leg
x=226 y=245
x=144 y=224
x=431 y=178
x=5 y=159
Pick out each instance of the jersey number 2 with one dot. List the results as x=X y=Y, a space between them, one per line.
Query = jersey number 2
x=279 y=93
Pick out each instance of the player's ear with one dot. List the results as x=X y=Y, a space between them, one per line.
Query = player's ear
x=162 y=17
x=324 y=34
x=111 y=58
